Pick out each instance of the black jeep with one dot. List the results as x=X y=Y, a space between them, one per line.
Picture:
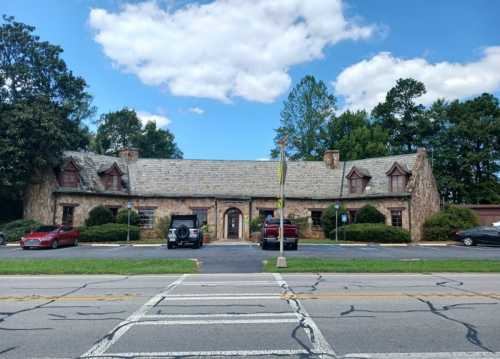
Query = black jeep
x=184 y=229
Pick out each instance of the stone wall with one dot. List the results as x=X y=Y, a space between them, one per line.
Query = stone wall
x=425 y=196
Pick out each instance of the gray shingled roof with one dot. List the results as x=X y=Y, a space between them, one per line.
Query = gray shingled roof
x=228 y=178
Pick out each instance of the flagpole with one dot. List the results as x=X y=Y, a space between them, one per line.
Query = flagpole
x=281 y=261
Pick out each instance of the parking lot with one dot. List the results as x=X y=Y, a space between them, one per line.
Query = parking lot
x=258 y=315
x=248 y=258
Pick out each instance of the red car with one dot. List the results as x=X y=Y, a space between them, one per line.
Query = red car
x=50 y=237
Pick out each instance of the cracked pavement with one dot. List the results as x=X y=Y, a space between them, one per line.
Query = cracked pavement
x=251 y=315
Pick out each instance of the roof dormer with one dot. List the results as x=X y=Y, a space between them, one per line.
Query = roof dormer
x=111 y=177
x=398 y=177
x=358 y=179
x=69 y=174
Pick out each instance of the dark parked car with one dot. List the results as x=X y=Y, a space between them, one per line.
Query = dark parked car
x=479 y=235
x=50 y=237
x=3 y=240
x=270 y=234
x=184 y=229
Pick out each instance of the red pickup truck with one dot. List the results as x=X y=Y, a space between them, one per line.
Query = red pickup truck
x=270 y=234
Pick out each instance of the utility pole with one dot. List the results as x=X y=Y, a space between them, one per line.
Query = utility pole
x=129 y=207
x=281 y=261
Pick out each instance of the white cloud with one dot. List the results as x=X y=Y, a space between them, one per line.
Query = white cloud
x=365 y=84
x=145 y=117
x=196 y=110
x=263 y=159
x=225 y=48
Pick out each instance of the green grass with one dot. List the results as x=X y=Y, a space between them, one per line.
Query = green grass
x=383 y=266
x=97 y=266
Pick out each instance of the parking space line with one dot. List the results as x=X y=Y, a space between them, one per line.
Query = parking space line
x=218 y=294
x=118 y=331
x=440 y=355
x=229 y=353
x=230 y=283
x=216 y=321
x=216 y=297
x=320 y=344
x=220 y=315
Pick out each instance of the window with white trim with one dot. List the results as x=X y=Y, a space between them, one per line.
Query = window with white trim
x=146 y=217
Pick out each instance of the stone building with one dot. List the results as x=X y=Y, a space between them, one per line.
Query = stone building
x=228 y=194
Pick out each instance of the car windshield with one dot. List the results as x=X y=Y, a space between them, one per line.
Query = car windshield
x=45 y=229
x=277 y=221
x=183 y=222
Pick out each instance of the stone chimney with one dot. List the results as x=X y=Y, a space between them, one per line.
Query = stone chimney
x=332 y=158
x=129 y=154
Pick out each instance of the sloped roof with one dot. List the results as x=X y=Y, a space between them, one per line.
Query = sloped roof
x=237 y=179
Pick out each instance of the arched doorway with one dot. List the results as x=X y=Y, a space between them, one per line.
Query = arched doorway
x=233 y=221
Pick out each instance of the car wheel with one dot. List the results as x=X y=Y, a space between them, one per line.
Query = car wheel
x=170 y=245
x=469 y=242
x=2 y=240
x=294 y=246
x=24 y=248
x=55 y=244
x=196 y=244
x=75 y=243
x=264 y=245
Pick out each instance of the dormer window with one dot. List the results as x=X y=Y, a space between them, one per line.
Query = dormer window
x=398 y=177
x=358 y=179
x=69 y=175
x=111 y=177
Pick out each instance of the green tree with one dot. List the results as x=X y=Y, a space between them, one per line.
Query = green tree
x=118 y=130
x=304 y=120
x=355 y=137
x=157 y=143
x=43 y=106
x=406 y=121
x=465 y=149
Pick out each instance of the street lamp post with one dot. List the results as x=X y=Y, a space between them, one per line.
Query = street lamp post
x=281 y=261
x=129 y=207
x=337 y=206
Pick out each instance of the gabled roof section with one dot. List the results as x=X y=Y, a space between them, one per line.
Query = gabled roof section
x=106 y=169
x=70 y=162
x=398 y=167
x=236 y=179
x=359 y=172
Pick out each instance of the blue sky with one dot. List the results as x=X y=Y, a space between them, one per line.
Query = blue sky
x=156 y=59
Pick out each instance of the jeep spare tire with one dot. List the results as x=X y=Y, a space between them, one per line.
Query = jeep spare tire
x=182 y=232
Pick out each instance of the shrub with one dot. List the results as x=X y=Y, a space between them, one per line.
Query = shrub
x=443 y=225
x=16 y=229
x=302 y=224
x=255 y=224
x=328 y=220
x=108 y=233
x=369 y=214
x=161 y=226
x=122 y=217
x=99 y=215
x=373 y=232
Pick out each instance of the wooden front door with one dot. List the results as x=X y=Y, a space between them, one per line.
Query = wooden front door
x=233 y=224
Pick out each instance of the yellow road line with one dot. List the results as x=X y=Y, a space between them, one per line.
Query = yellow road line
x=69 y=298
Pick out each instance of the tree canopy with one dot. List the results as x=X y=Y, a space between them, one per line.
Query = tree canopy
x=43 y=106
x=122 y=129
x=462 y=137
x=304 y=120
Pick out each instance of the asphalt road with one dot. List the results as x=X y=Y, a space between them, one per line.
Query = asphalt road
x=251 y=315
x=249 y=258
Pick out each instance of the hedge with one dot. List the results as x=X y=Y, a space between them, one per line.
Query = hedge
x=369 y=214
x=108 y=233
x=443 y=225
x=122 y=217
x=16 y=229
x=329 y=219
x=373 y=232
x=99 y=215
